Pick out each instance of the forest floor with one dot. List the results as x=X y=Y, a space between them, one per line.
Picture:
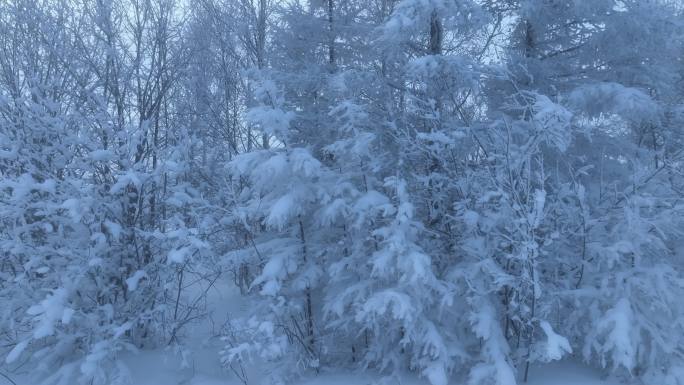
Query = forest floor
x=204 y=367
x=200 y=364
x=154 y=370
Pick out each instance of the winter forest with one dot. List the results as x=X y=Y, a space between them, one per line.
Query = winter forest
x=435 y=192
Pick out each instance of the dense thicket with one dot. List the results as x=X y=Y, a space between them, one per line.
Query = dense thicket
x=459 y=188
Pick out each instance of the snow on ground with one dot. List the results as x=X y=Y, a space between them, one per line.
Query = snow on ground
x=559 y=373
x=158 y=368
x=202 y=365
x=567 y=373
x=164 y=367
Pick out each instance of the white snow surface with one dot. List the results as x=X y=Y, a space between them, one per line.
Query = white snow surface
x=157 y=368
x=162 y=368
x=200 y=364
